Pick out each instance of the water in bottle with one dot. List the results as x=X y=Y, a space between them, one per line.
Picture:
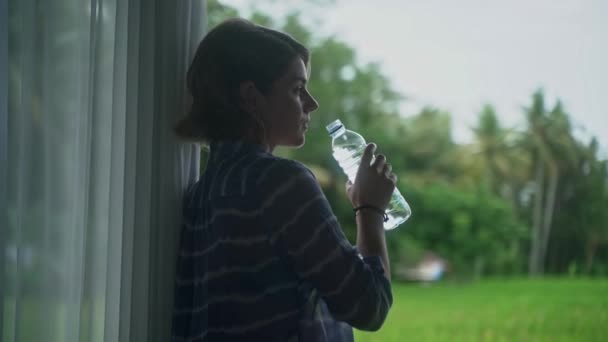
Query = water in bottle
x=348 y=147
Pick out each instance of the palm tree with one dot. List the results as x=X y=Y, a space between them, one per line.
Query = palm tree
x=592 y=194
x=553 y=150
x=490 y=140
x=501 y=159
x=565 y=154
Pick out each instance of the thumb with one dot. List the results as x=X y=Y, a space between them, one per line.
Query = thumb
x=349 y=188
x=366 y=159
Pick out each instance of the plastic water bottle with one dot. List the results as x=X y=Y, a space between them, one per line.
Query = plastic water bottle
x=348 y=147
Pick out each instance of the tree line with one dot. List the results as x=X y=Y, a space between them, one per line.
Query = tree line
x=514 y=201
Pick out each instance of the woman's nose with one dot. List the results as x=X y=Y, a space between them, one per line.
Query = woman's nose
x=311 y=104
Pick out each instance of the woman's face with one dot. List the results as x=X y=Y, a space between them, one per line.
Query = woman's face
x=286 y=108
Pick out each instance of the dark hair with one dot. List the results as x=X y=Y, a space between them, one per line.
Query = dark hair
x=233 y=52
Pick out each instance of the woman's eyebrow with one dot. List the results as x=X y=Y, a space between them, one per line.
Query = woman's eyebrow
x=301 y=79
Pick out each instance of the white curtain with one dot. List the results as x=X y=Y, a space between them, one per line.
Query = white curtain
x=91 y=176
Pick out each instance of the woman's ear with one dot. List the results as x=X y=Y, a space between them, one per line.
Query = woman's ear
x=253 y=102
x=249 y=99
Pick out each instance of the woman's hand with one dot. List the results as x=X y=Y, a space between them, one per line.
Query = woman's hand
x=375 y=183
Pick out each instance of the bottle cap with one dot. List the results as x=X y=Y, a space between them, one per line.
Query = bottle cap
x=334 y=127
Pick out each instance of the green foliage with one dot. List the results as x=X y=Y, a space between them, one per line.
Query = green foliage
x=481 y=206
x=218 y=12
x=472 y=228
x=581 y=231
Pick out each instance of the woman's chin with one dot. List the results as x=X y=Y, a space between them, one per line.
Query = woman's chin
x=294 y=141
x=297 y=142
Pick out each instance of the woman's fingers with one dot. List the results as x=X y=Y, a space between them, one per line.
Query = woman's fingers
x=388 y=173
x=379 y=162
x=368 y=154
x=387 y=169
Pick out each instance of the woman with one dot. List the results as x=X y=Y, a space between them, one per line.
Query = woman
x=262 y=256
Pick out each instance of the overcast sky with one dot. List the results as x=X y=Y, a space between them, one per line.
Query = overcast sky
x=457 y=55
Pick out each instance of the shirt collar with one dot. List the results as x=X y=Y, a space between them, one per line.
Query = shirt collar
x=225 y=148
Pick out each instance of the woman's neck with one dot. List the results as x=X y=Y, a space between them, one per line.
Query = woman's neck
x=253 y=138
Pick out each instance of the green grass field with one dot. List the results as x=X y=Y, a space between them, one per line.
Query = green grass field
x=489 y=310
x=497 y=310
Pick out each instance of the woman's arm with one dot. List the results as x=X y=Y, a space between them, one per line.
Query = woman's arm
x=301 y=223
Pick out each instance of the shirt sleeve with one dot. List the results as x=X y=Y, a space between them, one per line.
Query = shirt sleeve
x=303 y=226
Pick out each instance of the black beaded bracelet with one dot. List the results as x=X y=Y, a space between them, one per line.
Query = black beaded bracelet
x=376 y=209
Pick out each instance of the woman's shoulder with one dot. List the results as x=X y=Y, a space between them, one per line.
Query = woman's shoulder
x=276 y=172
x=278 y=168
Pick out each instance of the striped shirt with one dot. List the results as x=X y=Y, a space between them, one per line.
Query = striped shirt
x=263 y=258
